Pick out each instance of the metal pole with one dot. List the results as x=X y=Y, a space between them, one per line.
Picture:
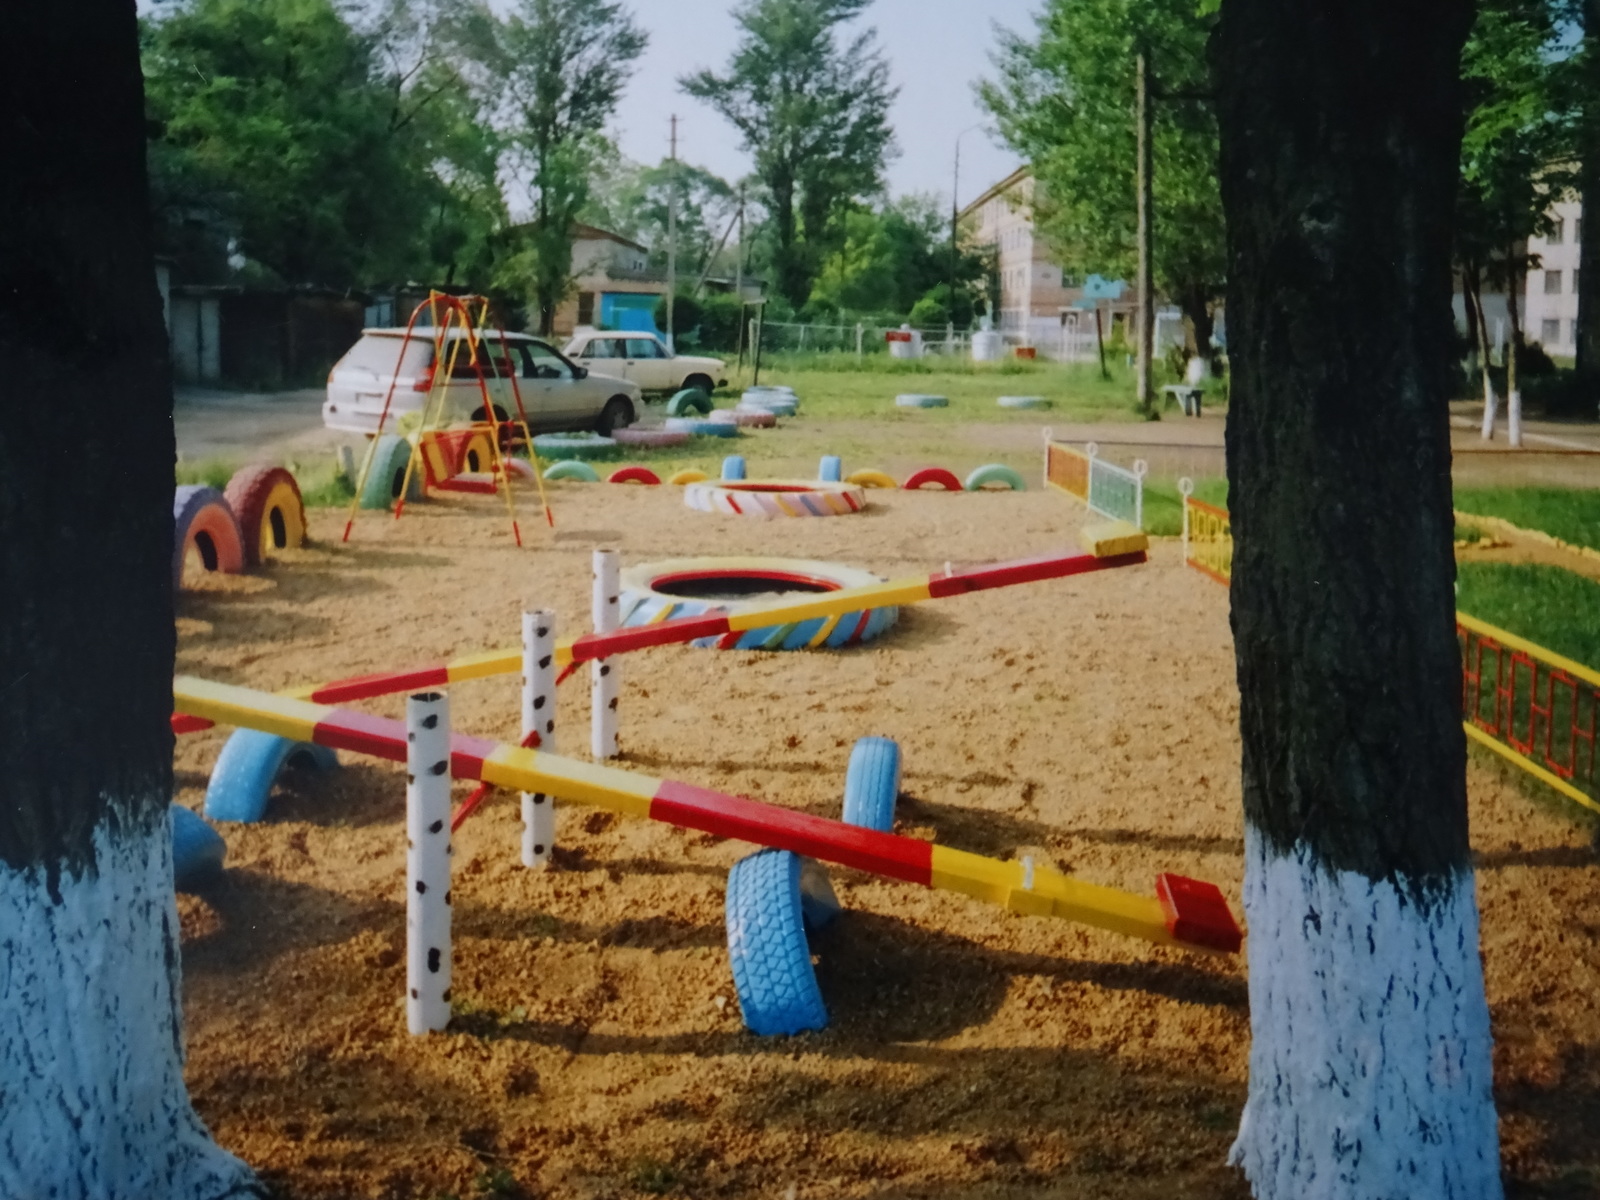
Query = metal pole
x=1147 y=299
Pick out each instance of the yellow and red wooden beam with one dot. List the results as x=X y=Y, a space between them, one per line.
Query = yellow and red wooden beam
x=1184 y=912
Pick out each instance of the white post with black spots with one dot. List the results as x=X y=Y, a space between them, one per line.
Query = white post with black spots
x=539 y=716
x=605 y=683
x=427 y=862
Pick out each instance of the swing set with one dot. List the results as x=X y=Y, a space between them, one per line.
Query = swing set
x=451 y=455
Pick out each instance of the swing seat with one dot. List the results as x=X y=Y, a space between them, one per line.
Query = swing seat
x=475 y=485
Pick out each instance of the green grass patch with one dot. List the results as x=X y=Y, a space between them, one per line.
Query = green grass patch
x=1547 y=605
x=211 y=472
x=1571 y=514
x=1163 y=503
x=1469 y=534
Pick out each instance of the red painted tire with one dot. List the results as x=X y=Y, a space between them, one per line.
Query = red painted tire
x=634 y=475
x=203 y=524
x=648 y=437
x=937 y=476
x=266 y=501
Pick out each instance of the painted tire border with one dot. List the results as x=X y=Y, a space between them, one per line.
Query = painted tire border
x=250 y=762
x=199 y=511
x=806 y=498
x=571 y=468
x=922 y=477
x=254 y=494
x=980 y=477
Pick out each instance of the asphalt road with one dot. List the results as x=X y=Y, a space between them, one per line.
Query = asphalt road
x=211 y=423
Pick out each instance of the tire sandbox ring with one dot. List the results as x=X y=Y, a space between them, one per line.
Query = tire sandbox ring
x=702 y=427
x=764 y=499
x=871 y=479
x=272 y=517
x=691 y=587
x=572 y=445
x=746 y=419
x=203 y=524
x=1024 y=402
x=934 y=476
x=919 y=400
x=648 y=437
x=642 y=475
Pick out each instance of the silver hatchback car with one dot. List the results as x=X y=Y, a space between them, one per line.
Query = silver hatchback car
x=556 y=393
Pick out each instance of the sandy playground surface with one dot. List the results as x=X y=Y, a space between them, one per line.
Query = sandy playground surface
x=597 y=1050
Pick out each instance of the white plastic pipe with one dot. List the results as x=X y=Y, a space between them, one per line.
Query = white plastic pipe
x=604 y=680
x=427 y=862
x=539 y=716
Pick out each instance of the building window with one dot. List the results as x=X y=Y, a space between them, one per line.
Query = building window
x=1558 y=232
x=585 y=308
x=1575 y=280
x=1552 y=283
x=1550 y=332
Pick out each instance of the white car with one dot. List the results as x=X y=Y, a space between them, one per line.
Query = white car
x=644 y=359
x=557 y=393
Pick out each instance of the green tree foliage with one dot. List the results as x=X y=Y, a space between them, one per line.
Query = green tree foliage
x=1064 y=99
x=813 y=111
x=632 y=200
x=547 y=77
x=891 y=258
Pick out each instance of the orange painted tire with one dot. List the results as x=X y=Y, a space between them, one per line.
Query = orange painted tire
x=203 y=524
x=633 y=475
x=937 y=476
x=272 y=517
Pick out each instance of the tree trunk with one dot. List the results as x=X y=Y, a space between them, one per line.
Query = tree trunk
x=1588 y=339
x=91 y=1061
x=1198 y=322
x=1370 y=1064
x=1470 y=283
x=1514 y=277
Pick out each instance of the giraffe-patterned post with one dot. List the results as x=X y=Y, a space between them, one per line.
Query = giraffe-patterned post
x=605 y=683
x=427 y=862
x=539 y=716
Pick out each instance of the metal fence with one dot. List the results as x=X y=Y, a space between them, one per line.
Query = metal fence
x=1106 y=488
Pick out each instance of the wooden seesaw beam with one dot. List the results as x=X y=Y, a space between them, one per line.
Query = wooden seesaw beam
x=1184 y=912
x=1108 y=547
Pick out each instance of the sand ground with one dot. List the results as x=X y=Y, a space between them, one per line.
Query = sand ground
x=597 y=1049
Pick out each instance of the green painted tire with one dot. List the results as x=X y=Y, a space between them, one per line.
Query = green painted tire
x=572 y=469
x=687 y=401
x=995 y=473
x=386 y=475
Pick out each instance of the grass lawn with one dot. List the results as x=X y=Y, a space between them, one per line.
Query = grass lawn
x=1571 y=514
x=1555 y=608
x=1163 y=503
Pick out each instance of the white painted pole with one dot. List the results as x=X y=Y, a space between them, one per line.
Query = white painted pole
x=604 y=680
x=1514 y=419
x=539 y=716
x=1185 y=490
x=427 y=862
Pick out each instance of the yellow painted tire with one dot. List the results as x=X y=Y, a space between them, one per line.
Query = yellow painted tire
x=764 y=499
x=872 y=479
x=478 y=456
x=272 y=517
x=688 y=475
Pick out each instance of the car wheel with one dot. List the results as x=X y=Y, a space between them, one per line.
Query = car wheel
x=617 y=413
x=703 y=382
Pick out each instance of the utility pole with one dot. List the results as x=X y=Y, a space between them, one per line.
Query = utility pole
x=738 y=266
x=1147 y=298
x=672 y=236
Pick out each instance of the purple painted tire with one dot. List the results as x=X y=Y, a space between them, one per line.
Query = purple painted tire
x=648 y=437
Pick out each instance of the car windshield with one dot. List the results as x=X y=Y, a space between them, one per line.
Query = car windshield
x=380 y=354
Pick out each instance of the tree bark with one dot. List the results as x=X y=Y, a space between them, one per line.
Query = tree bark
x=1370 y=1064
x=1514 y=281
x=91 y=1064
x=1198 y=322
x=1588 y=339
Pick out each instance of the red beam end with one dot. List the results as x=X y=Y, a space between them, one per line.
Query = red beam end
x=1197 y=913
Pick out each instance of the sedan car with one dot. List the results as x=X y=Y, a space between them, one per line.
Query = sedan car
x=644 y=359
x=556 y=393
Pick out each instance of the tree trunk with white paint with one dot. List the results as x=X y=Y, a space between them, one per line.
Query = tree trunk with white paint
x=92 y=1098
x=1370 y=1063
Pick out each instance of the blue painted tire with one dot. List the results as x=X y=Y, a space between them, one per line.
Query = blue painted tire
x=733 y=467
x=767 y=948
x=918 y=400
x=689 y=400
x=701 y=427
x=241 y=782
x=831 y=469
x=872 y=784
x=981 y=477
x=198 y=850
x=386 y=475
x=1024 y=402
x=572 y=469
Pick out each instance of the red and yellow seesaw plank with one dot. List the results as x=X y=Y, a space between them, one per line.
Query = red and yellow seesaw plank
x=1184 y=912
x=1106 y=547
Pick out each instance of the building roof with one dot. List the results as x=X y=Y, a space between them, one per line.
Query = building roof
x=593 y=233
x=1005 y=185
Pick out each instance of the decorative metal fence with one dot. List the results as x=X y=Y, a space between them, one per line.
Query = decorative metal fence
x=1533 y=707
x=1106 y=488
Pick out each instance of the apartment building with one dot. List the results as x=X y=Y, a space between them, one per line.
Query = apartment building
x=1550 y=304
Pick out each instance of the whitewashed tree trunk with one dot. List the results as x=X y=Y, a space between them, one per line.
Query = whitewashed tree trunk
x=1491 y=405
x=92 y=1099
x=1370 y=1054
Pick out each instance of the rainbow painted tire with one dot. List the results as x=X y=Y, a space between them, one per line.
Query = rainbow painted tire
x=765 y=499
x=1024 y=402
x=648 y=437
x=919 y=400
x=203 y=524
x=272 y=517
x=634 y=475
x=580 y=472
x=691 y=587
x=935 y=476
x=573 y=445
x=702 y=427
x=995 y=473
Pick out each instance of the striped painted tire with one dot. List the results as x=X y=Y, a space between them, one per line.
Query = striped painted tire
x=935 y=476
x=919 y=400
x=687 y=476
x=871 y=479
x=634 y=475
x=992 y=474
x=204 y=524
x=387 y=473
x=573 y=445
x=241 y=782
x=266 y=501
x=690 y=400
x=749 y=418
x=648 y=437
x=767 y=947
x=872 y=784
x=643 y=603
x=1024 y=402
x=580 y=472
x=198 y=850
x=764 y=499
x=700 y=427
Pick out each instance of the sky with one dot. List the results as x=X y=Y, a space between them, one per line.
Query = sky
x=937 y=50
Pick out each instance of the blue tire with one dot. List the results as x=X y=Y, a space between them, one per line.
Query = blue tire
x=733 y=467
x=386 y=476
x=241 y=782
x=872 y=784
x=197 y=849
x=767 y=948
x=832 y=469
